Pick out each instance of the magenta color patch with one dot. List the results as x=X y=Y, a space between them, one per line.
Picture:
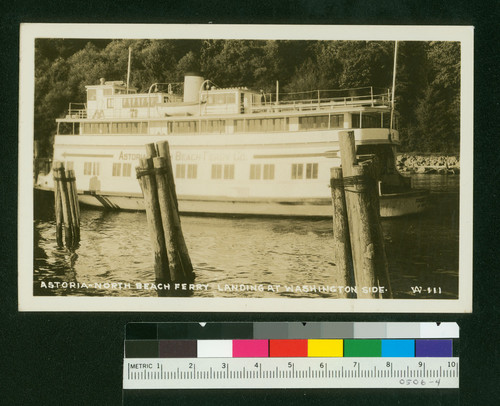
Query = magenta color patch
x=250 y=348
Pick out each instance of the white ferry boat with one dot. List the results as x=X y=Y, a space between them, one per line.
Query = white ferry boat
x=234 y=150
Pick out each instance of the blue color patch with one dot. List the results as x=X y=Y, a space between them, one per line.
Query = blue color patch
x=398 y=348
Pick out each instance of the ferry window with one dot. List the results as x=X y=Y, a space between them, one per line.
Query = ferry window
x=180 y=171
x=312 y=171
x=386 y=119
x=69 y=165
x=91 y=94
x=252 y=125
x=313 y=122
x=239 y=125
x=371 y=120
x=65 y=128
x=95 y=168
x=126 y=102
x=297 y=171
x=117 y=168
x=230 y=98
x=216 y=171
x=110 y=103
x=87 y=168
x=254 y=171
x=228 y=171
x=127 y=169
x=337 y=121
x=212 y=126
x=279 y=124
x=86 y=128
x=192 y=171
x=269 y=171
x=107 y=92
x=355 y=120
x=104 y=128
x=144 y=127
x=94 y=128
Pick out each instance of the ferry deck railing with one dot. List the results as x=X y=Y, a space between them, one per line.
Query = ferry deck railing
x=77 y=110
x=323 y=103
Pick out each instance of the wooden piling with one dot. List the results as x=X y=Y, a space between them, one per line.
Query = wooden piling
x=164 y=151
x=341 y=240
x=181 y=269
x=65 y=204
x=58 y=205
x=368 y=251
x=151 y=150
x=67 y=209
x=147 y=180
x=76 y=202
x=75 y=228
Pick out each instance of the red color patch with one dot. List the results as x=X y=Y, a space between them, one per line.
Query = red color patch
x=288 y=348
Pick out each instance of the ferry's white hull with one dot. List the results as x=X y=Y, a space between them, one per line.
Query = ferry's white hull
x=391 y=205
x=239 y=194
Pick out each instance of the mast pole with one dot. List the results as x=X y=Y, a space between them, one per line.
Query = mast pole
x=128 y=67
x=393 y=84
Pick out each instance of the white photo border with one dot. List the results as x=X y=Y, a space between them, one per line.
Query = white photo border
x=29 y=32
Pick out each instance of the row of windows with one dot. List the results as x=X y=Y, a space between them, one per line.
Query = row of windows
x=189 y=171
x=366 y=120
x=120 y=169
x=265 y=171
x=317 y=122
x=92 y=93
x=218 y=171
x=222 y=171
x=140 y=127
x=91 y=168
x=311 y=171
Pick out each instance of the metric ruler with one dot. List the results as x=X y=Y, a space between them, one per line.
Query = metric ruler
x=231 y=373
x=290 y=355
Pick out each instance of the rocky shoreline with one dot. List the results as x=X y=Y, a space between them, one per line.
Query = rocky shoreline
x=428 y=163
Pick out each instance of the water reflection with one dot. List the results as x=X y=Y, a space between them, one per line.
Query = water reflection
x=234 y=257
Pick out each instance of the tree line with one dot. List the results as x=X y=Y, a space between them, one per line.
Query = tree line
x=427 y=81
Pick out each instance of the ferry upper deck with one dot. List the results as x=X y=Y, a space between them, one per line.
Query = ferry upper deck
x=201 y=108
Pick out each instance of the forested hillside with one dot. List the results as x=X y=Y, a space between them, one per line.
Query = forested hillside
x=427 y=83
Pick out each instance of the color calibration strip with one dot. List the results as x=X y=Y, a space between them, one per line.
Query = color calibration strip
x=293 y=348
x=290 y=355
x=292 y=330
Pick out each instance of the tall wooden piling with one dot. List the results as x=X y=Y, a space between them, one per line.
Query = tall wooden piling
x=341 y=240
x=164 y=151
x=75 y=228
x=58 y=205
x=65 y=204
x=368 y=251
x=181 y=269
x=147 y=180
x=67 y=210
x=75 y=202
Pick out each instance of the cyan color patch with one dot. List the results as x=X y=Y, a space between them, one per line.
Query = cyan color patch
x=398 y=348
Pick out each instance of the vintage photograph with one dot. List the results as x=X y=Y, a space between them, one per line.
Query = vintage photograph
x=186 y=168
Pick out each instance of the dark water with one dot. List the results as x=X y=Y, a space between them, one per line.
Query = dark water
x=249 y=254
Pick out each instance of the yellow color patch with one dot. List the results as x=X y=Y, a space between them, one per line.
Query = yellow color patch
x=325 y=348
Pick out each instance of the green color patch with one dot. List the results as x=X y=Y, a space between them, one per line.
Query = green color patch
x=362 y=348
